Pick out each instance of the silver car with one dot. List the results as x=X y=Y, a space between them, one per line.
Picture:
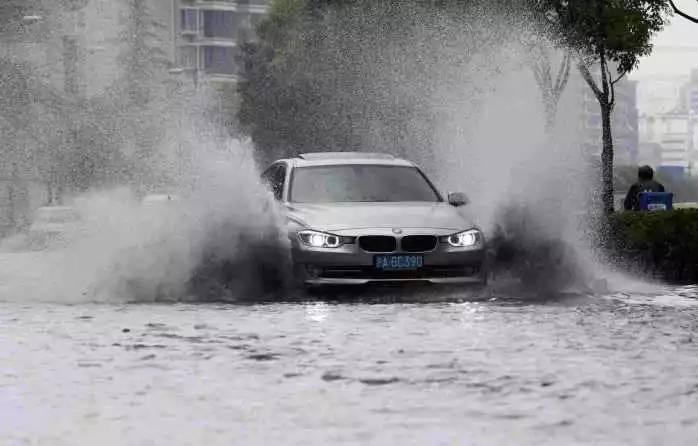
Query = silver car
x=359 y=218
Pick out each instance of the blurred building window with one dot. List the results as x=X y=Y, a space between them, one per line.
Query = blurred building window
x=219 y=24
x=189 y=22
x=187 y=57
x=219 y=60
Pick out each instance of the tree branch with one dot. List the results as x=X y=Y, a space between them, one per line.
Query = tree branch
x=539 y=80
x=536 y=66
x=681 y=13
x=622 y=75
x=560 y=72
x=607 y=78
x=541 y=72
x=612 y=100
x=563 y=74
x=584 y=71
x=544 y=63
x=613 y=87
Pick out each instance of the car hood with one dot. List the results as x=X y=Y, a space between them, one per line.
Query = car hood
x=342 y=216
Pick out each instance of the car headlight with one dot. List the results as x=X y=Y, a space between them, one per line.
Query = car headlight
x=316 y=239
x=466 y=239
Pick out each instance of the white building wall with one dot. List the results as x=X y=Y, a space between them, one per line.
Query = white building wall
x=674 y=133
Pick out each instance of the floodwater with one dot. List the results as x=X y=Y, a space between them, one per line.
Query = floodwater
x=602 y=370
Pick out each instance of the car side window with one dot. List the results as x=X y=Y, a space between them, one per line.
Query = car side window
x=267 y=175
x=274 y=178
x=278 y=179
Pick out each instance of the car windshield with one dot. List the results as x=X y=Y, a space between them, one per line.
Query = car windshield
x=360 y=183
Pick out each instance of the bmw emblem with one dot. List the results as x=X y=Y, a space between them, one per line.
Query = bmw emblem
x=397 y=231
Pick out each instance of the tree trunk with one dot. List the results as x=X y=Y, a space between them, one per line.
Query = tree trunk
x=550 y=116
x=49 y=192
x=607 y=102
x=12 y=208
x=607 y=160
x=605 y=94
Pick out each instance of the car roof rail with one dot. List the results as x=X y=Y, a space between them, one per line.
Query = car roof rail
x=343 y=155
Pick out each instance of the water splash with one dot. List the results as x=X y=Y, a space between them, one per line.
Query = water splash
x=212 y=241
x=469 y=112
x=457 y=95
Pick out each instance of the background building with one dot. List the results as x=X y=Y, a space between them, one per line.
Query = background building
x=624 y=120
x=668 y=121
x=207 y=34
x=669 y=132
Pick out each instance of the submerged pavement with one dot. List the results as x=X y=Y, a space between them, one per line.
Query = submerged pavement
x=616 y=369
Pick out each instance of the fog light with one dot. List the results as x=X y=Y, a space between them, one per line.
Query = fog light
x=471 y=270
x=313 y=271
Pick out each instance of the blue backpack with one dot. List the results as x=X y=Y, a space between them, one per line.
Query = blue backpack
x=656 y=201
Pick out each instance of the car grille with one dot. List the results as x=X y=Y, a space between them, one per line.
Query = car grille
x=418 y=243
x=427 y=272
x=378 y=243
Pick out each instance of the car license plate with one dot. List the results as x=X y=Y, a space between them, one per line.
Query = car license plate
x=398 y=262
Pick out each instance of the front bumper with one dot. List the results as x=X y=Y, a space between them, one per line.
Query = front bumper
x=351 y=265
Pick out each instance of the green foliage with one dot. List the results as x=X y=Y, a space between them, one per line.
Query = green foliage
x=142 y=59
x=681 y=13
x=15 y=95
x=663 y=244
x=49 y=133
x=70 y=143
x=280 y=27
x=360 y=75
x=618 y=30
x=139 y=97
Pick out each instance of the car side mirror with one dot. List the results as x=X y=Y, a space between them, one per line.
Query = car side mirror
x=457 y=199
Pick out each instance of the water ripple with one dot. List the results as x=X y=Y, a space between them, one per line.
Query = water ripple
x=604 y=370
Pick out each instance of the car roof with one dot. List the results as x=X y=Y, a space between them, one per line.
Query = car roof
x=339 y=158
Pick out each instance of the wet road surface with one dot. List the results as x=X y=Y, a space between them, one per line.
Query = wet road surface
x=577 y=370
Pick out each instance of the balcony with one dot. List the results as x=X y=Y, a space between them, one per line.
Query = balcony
x=187 y=57
x=210 y=31
x=219 y=25
x=252 y=6
x=211 y=26
x=189 y=21
x=218 y=61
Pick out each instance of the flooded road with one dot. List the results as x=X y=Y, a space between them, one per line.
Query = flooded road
x=577 y=370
